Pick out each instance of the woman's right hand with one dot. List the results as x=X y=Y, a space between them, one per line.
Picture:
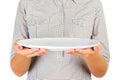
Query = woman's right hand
x=29 y=52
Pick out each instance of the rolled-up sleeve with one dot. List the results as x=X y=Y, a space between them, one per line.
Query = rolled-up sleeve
x=20 y=28
x=100 y=32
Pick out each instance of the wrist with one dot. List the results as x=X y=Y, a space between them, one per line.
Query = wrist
x=22 y=57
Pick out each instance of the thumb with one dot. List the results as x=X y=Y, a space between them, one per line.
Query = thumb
x=98 y=47
x=19 y=47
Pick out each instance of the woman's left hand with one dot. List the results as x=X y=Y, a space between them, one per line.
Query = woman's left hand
x=85 y=52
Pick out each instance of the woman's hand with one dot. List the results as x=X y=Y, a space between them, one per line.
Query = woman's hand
x=95 y=62
x=29 y=52
x=23 y=58
x=85 y=52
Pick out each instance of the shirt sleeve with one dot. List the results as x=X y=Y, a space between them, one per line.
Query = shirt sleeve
x=20 y=28
x=100 y=32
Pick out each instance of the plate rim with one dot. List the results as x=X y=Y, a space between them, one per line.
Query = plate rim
x=55 y=48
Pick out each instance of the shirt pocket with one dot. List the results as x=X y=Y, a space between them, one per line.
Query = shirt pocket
x=37 y=26
x=83 y=22
x=82 y=27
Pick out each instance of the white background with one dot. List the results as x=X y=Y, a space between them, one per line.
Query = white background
x=7 y=17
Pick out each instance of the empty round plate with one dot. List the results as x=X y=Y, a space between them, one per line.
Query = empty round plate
x=58 y=44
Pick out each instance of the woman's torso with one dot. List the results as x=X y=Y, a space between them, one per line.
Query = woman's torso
x=52 y=18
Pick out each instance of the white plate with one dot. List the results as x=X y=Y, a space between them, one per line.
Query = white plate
x=58 y=44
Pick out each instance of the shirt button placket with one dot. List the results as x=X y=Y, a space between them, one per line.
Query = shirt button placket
x=61 y=21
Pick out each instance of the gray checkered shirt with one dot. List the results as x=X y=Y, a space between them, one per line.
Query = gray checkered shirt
x=57 y=18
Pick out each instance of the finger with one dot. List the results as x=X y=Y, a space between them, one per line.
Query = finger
x=70 y=51
x=28 y=51
x=34 y=54
x=84 y=51
x=77 y=50
x=98 y=47
x=43 y=51
x=38 y=53
x=77 y=54
x=19 y=47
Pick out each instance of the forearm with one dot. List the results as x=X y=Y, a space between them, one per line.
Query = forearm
x=97 y=64
x=20 y=64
